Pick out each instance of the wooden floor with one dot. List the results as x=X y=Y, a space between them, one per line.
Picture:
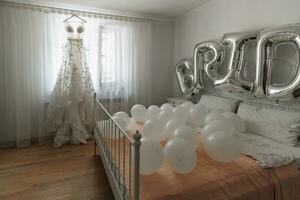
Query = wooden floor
x=45 y=173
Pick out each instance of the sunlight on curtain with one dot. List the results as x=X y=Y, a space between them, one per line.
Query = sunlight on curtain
x=29 y=51
x=125 y=64
x=31 y=44
x=119 y=56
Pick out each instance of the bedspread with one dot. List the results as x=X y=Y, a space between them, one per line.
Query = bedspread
x=210 y=180
x=242 y=179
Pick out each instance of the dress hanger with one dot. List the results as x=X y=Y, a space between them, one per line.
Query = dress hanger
x=74 y=15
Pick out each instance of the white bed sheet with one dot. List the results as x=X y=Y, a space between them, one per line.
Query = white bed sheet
x=269 y=153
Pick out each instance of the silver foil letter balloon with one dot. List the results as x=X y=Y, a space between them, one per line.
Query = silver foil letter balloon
x=184 y=74
x=238 y=42
x=267 y=42
x=203 y=67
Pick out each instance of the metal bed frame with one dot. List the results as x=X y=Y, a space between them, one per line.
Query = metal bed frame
x=111 y=142
x=110 y=156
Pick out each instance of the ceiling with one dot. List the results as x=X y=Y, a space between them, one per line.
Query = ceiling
x=162 y=8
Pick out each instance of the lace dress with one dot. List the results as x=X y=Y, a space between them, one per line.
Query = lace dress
x=71 y=104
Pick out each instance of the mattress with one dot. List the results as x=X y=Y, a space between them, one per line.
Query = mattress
x=211 y=180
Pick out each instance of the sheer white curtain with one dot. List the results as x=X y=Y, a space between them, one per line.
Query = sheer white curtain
x=30 y=57
x=29 y=63
x=124 y=64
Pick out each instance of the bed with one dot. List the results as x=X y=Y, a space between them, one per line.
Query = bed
x=243 y=179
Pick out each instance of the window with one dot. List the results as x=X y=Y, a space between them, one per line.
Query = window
x=108 y=58
x=113 y=79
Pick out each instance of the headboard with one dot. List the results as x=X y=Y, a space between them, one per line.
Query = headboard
x=291 y=105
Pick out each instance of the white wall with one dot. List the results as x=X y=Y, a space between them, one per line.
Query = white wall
x=162 y=61
x=213 y=19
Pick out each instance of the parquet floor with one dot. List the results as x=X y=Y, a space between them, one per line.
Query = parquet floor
x=45 y=173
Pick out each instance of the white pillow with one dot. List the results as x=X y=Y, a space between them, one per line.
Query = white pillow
x=226 y=104
x=279 y=125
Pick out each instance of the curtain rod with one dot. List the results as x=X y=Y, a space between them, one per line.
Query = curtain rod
x=63 y=11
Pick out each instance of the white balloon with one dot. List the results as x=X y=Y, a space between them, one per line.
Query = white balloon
x=187 y=105
x=188 y=134
x=203 y=110
x=218 y=125
x=170 y=128
x=180 y=155
x=217 y=110
x=197 y=115
x=139 y=113
x=154 y=111
x=198 y=130
x=165 y=116
x=166 y=107
x=153 y=129
x=222 y=147
x=236 y=120
x=214 y=116
x=151 y=156
x=122 y=124
x=124 y=116
x=181 y=113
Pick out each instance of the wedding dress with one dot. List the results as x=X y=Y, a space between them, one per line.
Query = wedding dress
x=69 y=113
